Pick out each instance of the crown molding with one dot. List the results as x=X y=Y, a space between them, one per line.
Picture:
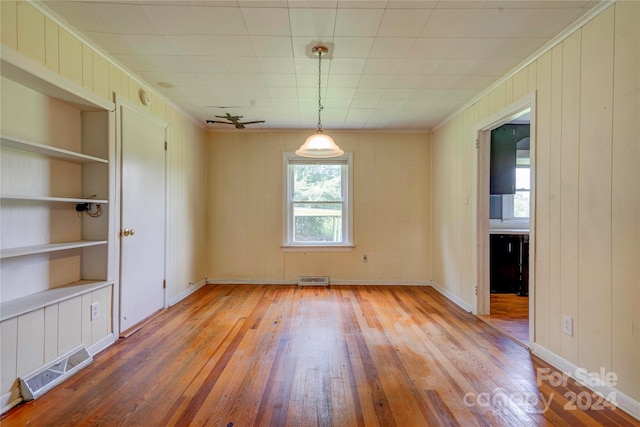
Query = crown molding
x=584 y=19
x=42 y=7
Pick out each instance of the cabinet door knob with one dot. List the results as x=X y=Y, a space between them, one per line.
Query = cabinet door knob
x=128 y=232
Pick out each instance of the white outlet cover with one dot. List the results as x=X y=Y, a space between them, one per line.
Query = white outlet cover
x=567 y=325
x=95 y=310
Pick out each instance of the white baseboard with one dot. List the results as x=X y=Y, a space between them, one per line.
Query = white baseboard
x=102 y=344
x=250 y=282
x=622 y=401
x=331 y=282
x=452 y=297
x=382 y=282
x=10 y=399
x=191 y=289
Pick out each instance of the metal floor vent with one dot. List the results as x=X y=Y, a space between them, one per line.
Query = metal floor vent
x=313 y=281
x=43 y=380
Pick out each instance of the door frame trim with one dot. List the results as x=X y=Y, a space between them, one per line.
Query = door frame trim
x=482 y=131
x=122 y=102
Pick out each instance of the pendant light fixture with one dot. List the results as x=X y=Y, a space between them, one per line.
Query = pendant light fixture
x=319 y=145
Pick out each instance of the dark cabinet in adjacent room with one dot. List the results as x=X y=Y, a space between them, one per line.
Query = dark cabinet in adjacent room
x=509 y=270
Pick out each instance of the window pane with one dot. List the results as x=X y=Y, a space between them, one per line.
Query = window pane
x=523 y=179
x=317 y=183
x=521 y=204
x=320 y=222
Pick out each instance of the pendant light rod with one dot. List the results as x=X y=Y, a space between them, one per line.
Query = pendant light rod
x=319 y=145
x=319 y=51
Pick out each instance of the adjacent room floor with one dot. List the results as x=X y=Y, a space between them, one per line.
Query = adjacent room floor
x=510 y=314
x=246 y=355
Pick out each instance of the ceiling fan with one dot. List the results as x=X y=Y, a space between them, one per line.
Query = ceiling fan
x=234 y=120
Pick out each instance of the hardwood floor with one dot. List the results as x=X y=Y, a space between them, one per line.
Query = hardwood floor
x=344 y=356
x=510 y=314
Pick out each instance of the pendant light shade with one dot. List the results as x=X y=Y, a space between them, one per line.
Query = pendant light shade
x=319 y=145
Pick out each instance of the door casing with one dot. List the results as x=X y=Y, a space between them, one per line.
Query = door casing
x=482 y=130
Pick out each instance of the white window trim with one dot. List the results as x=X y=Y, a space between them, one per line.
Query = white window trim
x=287 y=211
x=507 y=203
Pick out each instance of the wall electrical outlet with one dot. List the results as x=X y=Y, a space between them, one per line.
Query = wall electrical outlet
x=95 y=310
x=567 y=325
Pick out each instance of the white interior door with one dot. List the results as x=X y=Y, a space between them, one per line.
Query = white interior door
x=142 y=220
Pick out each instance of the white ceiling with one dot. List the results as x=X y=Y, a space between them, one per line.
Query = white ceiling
x=392 y=64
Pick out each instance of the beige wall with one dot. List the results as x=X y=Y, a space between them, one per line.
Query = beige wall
x=587 y=227
x=38 y=337
x=33 y=34
x=588 y=198
x=391 y=209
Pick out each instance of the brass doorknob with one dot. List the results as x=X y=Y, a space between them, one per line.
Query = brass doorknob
x=128 y=232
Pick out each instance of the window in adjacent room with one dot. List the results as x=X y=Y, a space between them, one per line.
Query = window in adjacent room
x=517 y=206
x=521 y=200
x=318 y=201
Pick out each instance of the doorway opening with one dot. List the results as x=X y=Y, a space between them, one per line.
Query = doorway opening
x=505 y=220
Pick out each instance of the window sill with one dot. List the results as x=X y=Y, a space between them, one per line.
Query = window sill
x=317 y=248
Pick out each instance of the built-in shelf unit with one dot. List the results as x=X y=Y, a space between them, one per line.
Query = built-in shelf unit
x=57 y=225
x=50 y=151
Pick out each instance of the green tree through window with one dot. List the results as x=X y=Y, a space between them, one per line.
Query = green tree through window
x=320 y=220
x=317 y=201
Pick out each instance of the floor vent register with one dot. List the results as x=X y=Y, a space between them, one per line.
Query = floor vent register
x=313 y=281
x=44 y=379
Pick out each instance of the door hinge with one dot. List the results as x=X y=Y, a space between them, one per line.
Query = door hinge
x=165 y=145
x=477 y=144
x=164 y=284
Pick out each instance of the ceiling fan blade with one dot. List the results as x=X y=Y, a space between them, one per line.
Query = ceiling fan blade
x=218 y=121
x=250 y=123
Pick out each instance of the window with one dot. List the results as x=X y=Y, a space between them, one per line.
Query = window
x=517 y=206
x=521 y=200
x=318 y=201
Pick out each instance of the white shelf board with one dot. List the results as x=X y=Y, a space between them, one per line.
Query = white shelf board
x=19 y=306
x=48 y=150
x=53 y=199
x=49 y=247
x=34 y=75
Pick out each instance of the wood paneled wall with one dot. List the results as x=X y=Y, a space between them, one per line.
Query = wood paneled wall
x=391 y=210
x=30 y=32
x=36 y=338
x=587 y=194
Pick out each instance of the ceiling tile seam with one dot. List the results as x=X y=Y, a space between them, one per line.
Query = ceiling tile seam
x=307 y=80
x=348 y=108
x=426 y=23
x=295 y=71
x=333 y=39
